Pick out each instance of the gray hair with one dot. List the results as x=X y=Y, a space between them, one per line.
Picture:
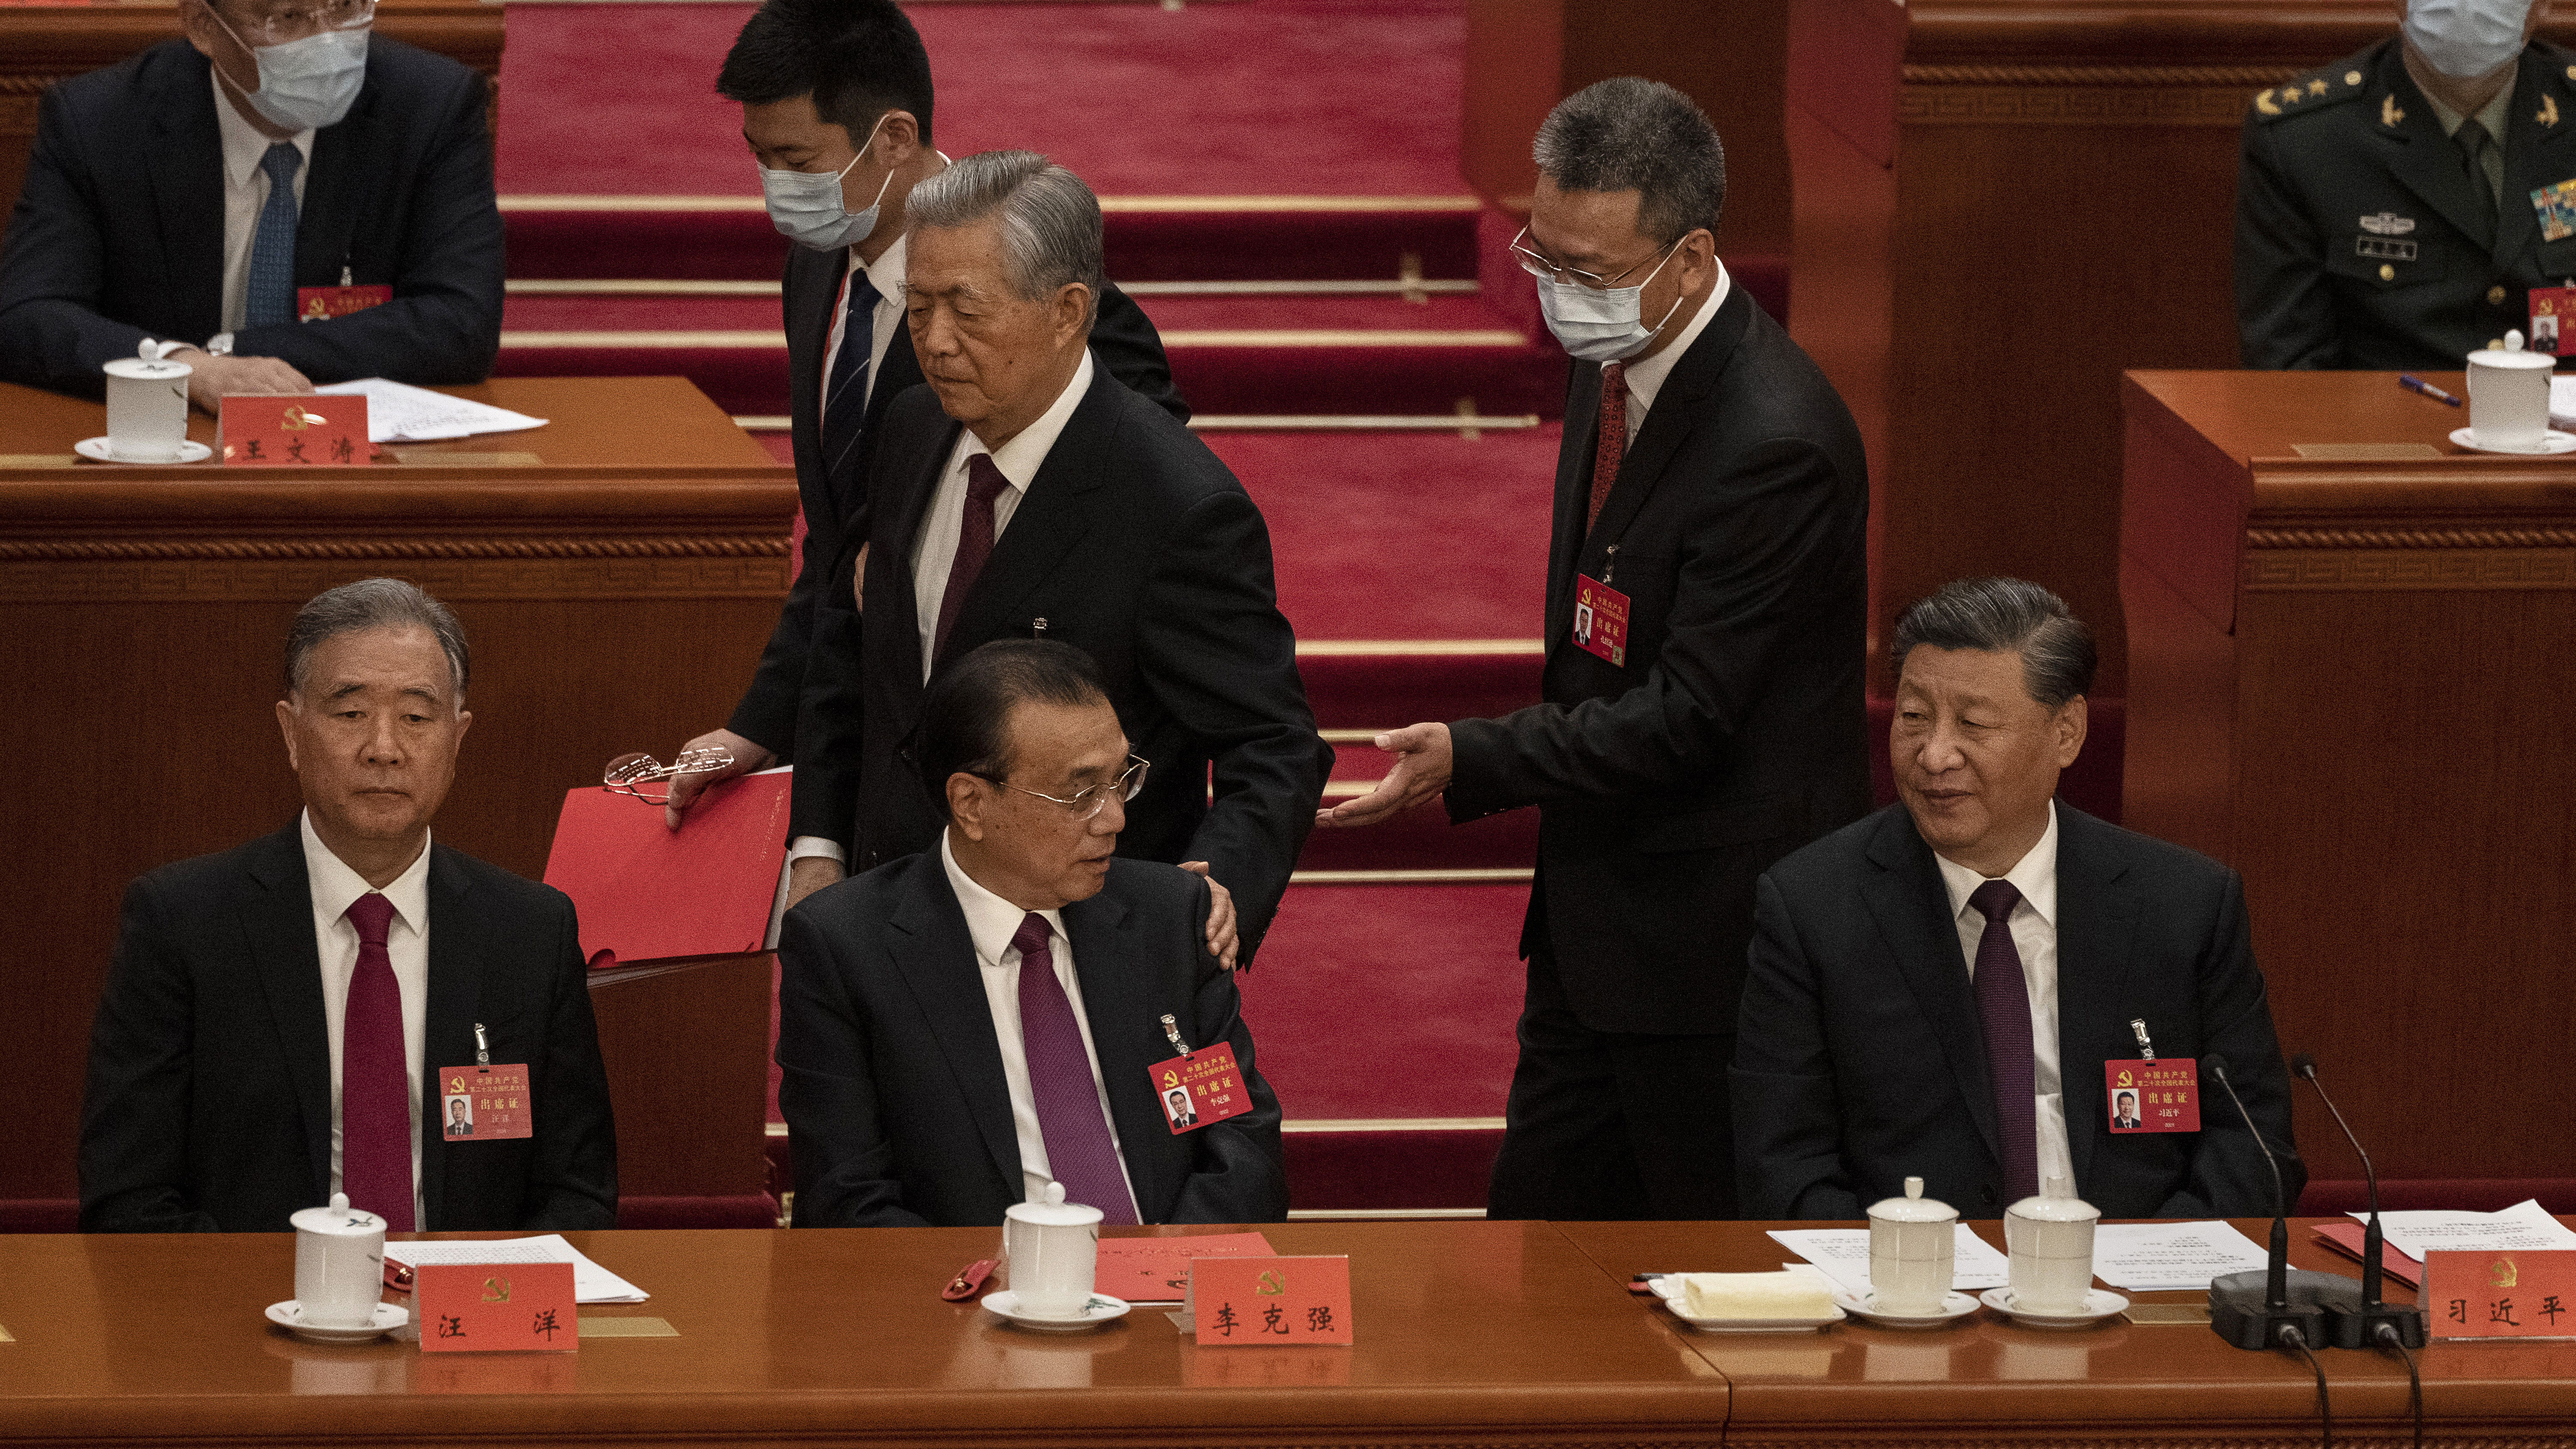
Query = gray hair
x=2006 y=616
x=372 y=604
x=1050 y=220
x=1627 y=134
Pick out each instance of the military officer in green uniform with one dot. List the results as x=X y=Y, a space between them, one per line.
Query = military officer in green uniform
x=2395 y=208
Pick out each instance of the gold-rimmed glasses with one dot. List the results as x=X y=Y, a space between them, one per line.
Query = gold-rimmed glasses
x=1085 y=803
x=1545 y=270
x=628 y=774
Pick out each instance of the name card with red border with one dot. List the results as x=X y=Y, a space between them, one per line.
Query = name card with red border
x=1270 y=1302
x=291 y=430
x=2500 y=1294
x=495 y=1307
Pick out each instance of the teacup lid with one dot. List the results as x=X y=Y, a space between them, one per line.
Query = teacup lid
x=339 y=1220
x=1055 y=1212
x=146 y=368
x=2056 y=1203
x=2512 y=355
x=1914 y=1207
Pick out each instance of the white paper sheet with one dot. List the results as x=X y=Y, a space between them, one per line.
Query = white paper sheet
x=1844 y=1255
x=591 y=1283
x=2524 y=1227
x=2562 y=415
x=397 y=412
x=2160 y=1257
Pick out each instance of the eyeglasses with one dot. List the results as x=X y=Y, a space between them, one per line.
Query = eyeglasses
x=626 y=774
x=1085 y=804
x=278 y=26
x=1540 y=267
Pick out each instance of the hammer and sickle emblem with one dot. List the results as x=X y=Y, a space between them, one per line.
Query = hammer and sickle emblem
x=1171 y=1078
x=496 y=1290
x=296 y=419
x=1268 y=1283
x=2502 y=1274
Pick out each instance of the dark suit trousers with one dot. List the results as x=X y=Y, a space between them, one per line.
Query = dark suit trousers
x=1611 y=1125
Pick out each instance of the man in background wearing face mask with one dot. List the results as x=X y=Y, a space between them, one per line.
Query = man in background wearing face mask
x=212 y=190
x=836 y=100
x=2394 y=209
x=1711 y=497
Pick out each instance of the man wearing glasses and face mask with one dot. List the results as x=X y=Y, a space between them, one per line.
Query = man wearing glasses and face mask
x=1702 y=711
x=297 y=199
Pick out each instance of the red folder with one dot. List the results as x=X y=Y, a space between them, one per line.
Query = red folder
x=646 y=893
x=2346 y=1238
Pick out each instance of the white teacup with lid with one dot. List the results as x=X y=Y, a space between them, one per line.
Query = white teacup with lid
x=2050 y=1239
x=1913 y=1242
x=1054 y=1251
x=339 y=1264
x=147 y=406
x=2509 y=397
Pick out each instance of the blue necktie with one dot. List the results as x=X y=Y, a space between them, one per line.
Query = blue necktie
x=845 y=392
x=272 y=246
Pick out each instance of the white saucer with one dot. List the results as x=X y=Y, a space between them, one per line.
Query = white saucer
x=289 y=1315
x=1954 y=1306
x=2552 y=441
x=95 y=449
x=1754 y=1325
x=1101 y=1309
x=2099 y=1304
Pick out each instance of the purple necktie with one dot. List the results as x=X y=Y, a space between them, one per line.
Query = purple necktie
x=2003 y=1006
x=375 y=1087
x=984 y=483
x=1068 y=1098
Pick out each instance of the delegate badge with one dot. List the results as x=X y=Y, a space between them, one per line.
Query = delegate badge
x=1600 y=619
x=321 y=304
x=2557 y=208
x=2152 y=1096
x=2553 y=319
x=1199 y=1088
x=485 y=1103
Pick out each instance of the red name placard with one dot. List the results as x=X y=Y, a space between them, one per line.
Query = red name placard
x=495 y=1307
x=1252 y=1302
x=289 y=430
x=2508 y=1294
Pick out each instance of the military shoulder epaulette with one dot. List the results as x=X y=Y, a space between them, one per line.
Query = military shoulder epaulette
x=2345 y=80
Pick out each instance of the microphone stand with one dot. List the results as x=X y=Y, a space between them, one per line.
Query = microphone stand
x=2358 y=1326
x=2280 y=1306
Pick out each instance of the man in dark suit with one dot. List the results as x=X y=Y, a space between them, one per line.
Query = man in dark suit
x=842 y=88
x=279 y=1017
x=1935 y=991
x=1026 y=493
x=2395 y=209
x=1702 y=714
x=932 y=1076
x=185 y=194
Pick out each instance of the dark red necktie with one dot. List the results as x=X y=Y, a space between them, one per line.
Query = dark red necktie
x=2003 y=1008
x=375 y=1086
x=1080 y=1153
x=1614 y=438
x=984 y=483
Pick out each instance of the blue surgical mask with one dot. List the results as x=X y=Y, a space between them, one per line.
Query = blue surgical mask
x=806 y=206
x=2465 y=39
x=1601 y=324
x=310 y=83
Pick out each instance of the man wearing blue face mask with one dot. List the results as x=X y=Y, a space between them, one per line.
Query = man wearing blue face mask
x=298 y=199
x=2396 y=209
x=1702 y=715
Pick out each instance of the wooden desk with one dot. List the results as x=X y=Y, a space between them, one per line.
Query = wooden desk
x=2350 y=680
x=616 y=593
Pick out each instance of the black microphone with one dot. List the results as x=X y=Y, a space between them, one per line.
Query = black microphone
x=2358 y=1327
x=2253 y=1310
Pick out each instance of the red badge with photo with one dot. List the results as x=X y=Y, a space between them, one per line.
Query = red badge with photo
x=2145 y=1096
x=1200 y=1088
x=1600 y=619
x=321 y=304
x=485 y=1104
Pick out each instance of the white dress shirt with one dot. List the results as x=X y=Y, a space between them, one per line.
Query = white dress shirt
x=886 y=275
x=334 y=887
x=245 y=193
x=1646 y=378
x=991 y=921
x=2034 y=932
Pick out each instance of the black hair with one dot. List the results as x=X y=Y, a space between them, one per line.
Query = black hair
x=858 y=59
x=2006 y=616
x=1628 y=134
x=965 y=720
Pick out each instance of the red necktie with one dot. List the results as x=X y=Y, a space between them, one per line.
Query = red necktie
x=1614 y=438
x=1080 y=1153
x=984 y=483
x=2003 y=1009
x=375 y=1086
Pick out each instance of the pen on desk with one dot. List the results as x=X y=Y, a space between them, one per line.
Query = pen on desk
x=2412 y=383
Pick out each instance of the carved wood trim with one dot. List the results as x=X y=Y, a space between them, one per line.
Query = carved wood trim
x=2043 y=105
x=77 y=550
x=2289 y=570
x=2411 y=537
x=2249 y=76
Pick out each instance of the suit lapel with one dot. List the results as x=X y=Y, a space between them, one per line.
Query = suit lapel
x=457 y=953
x=1051 y=520
x=2419 y=155
x=344 y=156
x=810 y=288
x=896 y=614
x=187 y=193
x=936 y=958
x=1911 y=907
x=1573 y=495
x=278 y=921
x=1107 y=964
x=1674 y=413
x=2095 y=910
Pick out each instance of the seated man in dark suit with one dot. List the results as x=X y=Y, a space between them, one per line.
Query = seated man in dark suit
x=1027 y=493
x=1934 y=991
x=280 y=1019
x=193 y=192
x=929 y=1075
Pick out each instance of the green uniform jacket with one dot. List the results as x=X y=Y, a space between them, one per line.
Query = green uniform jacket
x=2357 y=223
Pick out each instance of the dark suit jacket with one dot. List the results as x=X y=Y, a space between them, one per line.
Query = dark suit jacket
x=1735 y=732
x=1861 y=1062
x=2354 y=145
x=1123 y=341
x=208 y=1105
x=897 y=1111
x=119 y=233
x=1134 y=544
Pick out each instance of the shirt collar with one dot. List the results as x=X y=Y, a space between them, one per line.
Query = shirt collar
x=886 y=272
x=2495 y=115
x=1646 y=378
x=2035 y=876
x=990 y=920
x=1020 y=458
x=335 y=886
x=244 y=146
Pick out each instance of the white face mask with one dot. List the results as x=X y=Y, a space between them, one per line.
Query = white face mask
x=310 y=83
x=2465 y=39
x=1601 y=324
x=806 y=206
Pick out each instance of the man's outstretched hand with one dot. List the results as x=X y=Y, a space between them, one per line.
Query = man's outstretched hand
x=1421 y=770
x=747 y=757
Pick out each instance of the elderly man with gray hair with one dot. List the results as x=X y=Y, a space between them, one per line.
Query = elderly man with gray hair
x=1025 y=494
x=1960 y=987
x=282 y=1021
